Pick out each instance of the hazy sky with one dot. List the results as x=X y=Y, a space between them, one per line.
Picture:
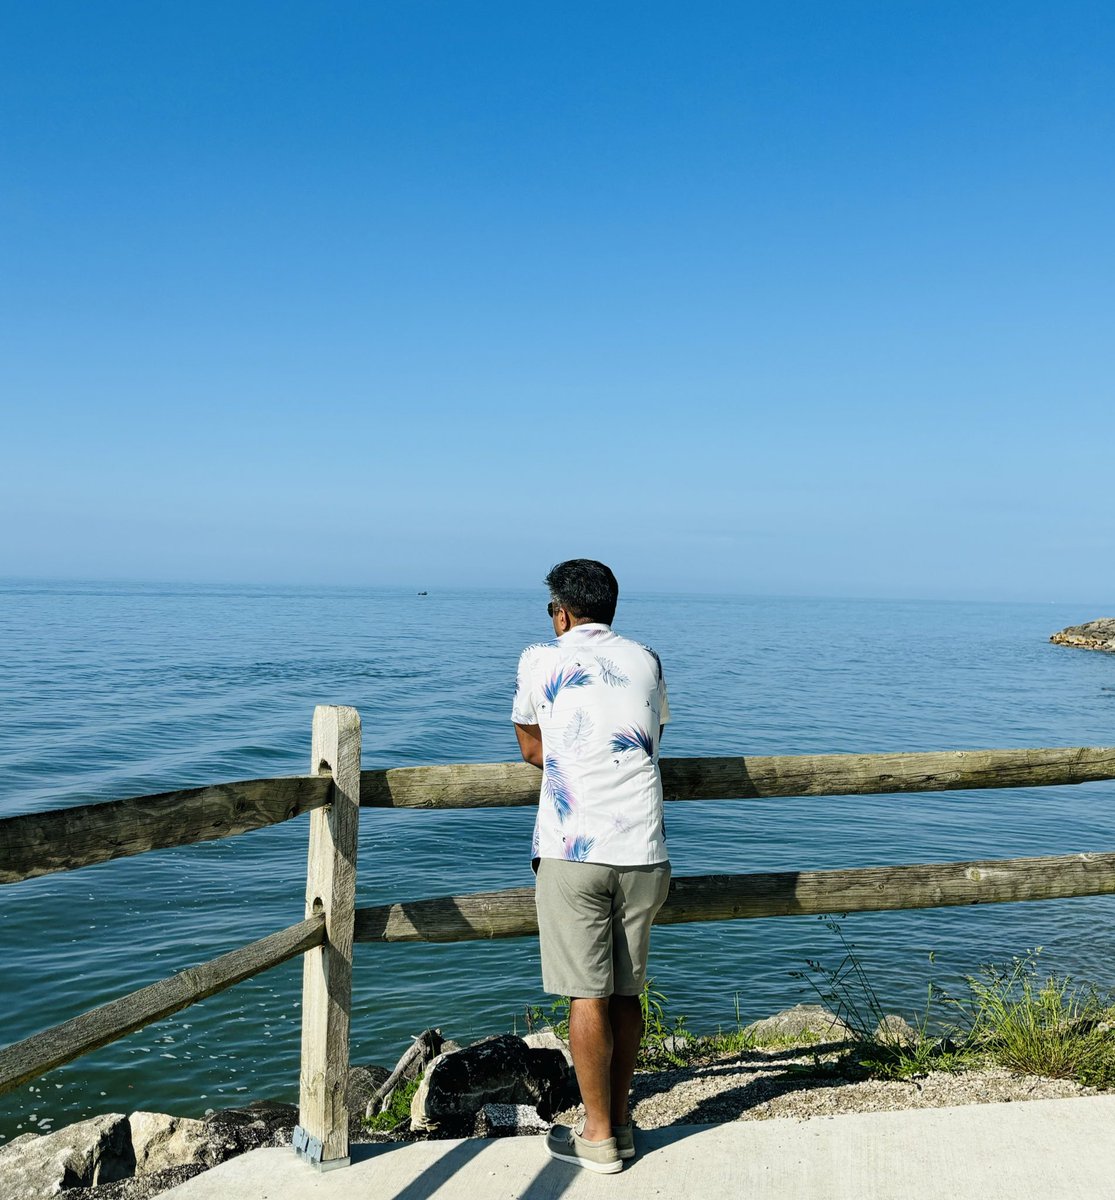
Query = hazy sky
x=779 y=297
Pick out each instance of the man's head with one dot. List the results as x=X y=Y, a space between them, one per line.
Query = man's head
x=586 y=589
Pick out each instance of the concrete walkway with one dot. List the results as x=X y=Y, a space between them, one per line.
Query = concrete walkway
x=1046 y=1148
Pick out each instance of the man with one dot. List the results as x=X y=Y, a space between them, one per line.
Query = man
x=589 y=710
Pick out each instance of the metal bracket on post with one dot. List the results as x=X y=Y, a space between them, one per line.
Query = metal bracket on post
x=308 y=1150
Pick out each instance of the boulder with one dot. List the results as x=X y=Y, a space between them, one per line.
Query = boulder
x=509 y=1120
x=894 y=1030
x=261 y=1123
x=800 y=1023
x=160 y=1141
x=1092 y=635
x=496 y=1070
x=85 y=1154
x=546 y=1039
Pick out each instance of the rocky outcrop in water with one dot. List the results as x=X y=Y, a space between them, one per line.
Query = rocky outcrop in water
x=1093 y=635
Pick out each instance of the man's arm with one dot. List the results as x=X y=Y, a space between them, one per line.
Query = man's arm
x=530 y=743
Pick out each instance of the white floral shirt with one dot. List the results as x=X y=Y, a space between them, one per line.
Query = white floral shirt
x=599 y=700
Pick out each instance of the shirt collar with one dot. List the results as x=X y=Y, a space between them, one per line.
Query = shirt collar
x=589 y=630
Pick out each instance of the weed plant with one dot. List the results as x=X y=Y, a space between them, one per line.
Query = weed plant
x=398 y=1110
x=1041 y=1026
x=1010 y=1017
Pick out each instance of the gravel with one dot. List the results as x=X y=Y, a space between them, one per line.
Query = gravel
x=759 y=1085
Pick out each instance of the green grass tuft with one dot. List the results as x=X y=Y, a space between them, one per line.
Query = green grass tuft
x=398 y=1110
x=1041 y=1026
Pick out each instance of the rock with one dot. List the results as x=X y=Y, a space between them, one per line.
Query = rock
x=497 y=1070
x=261 y=1123
x=894 y=1030
x=509 y=1120
x=361 y=1085
x=799 y=1023
x=81 y=1155
x=18 y=1141
x=1092 y=635
x=546 y=1039
x=139 y=1187
x=160 y=1141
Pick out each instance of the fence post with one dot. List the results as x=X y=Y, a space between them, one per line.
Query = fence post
x=321 y=1137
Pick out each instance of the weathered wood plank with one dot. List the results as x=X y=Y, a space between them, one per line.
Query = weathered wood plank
x=327 y=970
x=503 y=785
x=511 y=913
x=41 y=1052
x=66 y=838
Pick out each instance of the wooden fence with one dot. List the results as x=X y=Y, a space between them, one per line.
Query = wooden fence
x=66 y=839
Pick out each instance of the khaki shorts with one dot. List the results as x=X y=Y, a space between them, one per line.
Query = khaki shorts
x=594 y=925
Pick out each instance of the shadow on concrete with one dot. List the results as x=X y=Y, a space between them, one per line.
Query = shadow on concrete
x=552 y=1180
x=435 y=1176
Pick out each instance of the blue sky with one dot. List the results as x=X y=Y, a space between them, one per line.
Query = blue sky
x=781 y=298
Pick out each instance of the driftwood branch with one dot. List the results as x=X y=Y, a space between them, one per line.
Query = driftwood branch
x=65 y=838
x=42 y=1051
x=511 y=913
x=502 y=785
x=425 y=1047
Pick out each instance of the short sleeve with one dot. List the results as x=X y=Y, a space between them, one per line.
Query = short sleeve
x=663 y=698
x=663 y=702
x=522 y=708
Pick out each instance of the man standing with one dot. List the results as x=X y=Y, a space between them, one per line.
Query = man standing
x=589 y=710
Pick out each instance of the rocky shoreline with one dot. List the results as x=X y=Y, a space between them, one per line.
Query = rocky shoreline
x=506 y=1086
x=130 y=1157
x=1092 y=635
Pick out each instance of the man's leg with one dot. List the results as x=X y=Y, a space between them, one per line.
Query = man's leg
x=592 y=1045
x=604 y=1037
x=640 y=893
x=574 y=925
x=625 y=1015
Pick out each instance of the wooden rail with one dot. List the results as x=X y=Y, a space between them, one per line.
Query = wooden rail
x=511 y=913
x=99 y=1026
x=503 y=785
x=66 y=838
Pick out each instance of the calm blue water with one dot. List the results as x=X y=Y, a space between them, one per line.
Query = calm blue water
x=109 y=691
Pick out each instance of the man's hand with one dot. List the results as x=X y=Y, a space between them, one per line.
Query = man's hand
x=530 y=743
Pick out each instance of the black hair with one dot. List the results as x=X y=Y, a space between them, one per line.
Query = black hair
x=587 y=588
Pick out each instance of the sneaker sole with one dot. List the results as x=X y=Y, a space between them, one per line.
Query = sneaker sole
x=600 y=1168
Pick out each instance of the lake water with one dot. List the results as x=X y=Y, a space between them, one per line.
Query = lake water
x=116 y=690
